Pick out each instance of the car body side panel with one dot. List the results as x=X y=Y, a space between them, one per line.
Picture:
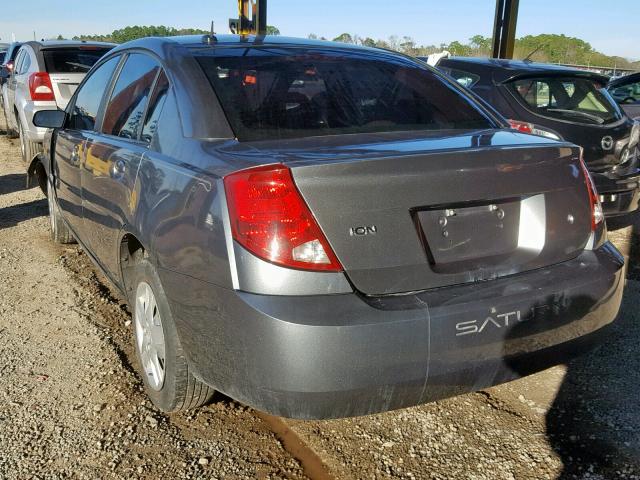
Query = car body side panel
x=179 y=207
x=109 y=171
x=67 y=161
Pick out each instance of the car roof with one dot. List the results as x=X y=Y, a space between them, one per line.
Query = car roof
x=206 y=41
x=505 y=69
x=631 y=78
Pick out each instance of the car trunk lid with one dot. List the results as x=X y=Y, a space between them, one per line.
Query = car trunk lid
x=64 y=86
x=405 y=214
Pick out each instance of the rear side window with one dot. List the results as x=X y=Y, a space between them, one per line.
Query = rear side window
x=89 y=96
x=19 y=61
x=299 y=92
x=123 y=116
x=578 y=100
x=158 y=97
x=72 y=60
x=26 y=63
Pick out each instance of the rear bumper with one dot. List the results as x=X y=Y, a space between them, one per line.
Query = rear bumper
x=618 y=195
x=33 y=133
x=342 y=355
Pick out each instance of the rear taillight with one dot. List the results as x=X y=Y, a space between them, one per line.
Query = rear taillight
x=533 y=129
x=597 y=215
x=40 y=87
x=270 y=218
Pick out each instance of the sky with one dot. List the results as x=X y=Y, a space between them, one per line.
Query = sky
x=610 y=27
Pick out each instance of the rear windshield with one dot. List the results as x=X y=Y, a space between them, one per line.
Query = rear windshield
x=72 y=60
x=272 y=93
x=577 y=100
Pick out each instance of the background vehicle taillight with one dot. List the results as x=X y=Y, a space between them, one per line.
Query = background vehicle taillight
x=520 y=126
x=270 y=218
x=533 y=129
x=40 y=87
x=597 y=215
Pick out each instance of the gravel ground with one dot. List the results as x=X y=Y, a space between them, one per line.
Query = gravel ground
x=72 y=406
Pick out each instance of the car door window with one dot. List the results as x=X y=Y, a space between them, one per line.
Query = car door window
x=89 y=96
x=156 y=103
x=123 y=115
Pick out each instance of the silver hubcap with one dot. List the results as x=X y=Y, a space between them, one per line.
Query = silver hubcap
x=149 y=336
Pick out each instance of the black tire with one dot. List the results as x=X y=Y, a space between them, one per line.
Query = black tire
x=28 y=149
x=59 y=230
x=180 y=390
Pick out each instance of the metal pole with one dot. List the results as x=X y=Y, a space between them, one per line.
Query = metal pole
x=260 y=17
x=504 y=28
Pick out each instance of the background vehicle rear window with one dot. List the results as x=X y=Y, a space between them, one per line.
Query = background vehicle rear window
x=72 y=60
x=271 y=93
x=123 y=115
x=577 y=100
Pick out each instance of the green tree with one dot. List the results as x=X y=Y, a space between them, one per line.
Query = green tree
x=271 y=30
x=344 y=38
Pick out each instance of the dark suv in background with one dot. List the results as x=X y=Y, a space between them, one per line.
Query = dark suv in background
x=562 y=103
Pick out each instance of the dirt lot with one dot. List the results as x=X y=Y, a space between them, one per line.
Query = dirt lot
x=71 y=403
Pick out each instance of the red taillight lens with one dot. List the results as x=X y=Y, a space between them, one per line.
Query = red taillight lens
x=270 y=218
x=40 y=87
x=597 y=215
x=521 y=126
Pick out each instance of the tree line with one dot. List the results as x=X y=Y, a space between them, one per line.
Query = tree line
x=549 y=48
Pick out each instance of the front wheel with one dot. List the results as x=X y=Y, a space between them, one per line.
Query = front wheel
x=167 y=378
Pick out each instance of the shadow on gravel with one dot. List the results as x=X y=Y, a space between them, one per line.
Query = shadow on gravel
x=13 y=182
x=594 y=422
x=15 y=214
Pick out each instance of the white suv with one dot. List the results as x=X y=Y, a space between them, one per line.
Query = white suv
x=45 y=76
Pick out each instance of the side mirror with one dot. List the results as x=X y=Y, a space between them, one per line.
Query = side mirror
x=49 y=118
x=4 y=73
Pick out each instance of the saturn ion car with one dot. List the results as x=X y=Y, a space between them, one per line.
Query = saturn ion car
x=322 y=230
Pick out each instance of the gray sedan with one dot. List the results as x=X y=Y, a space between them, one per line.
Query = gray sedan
x=323 y=230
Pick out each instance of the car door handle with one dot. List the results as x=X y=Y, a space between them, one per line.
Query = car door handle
x=75 y=155
x=119 y=168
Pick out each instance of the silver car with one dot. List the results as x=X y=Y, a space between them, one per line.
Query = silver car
x=45 y=76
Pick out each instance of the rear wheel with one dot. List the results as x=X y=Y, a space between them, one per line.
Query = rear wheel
x=167 y=378
x=60 y=233
x=28 y=149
